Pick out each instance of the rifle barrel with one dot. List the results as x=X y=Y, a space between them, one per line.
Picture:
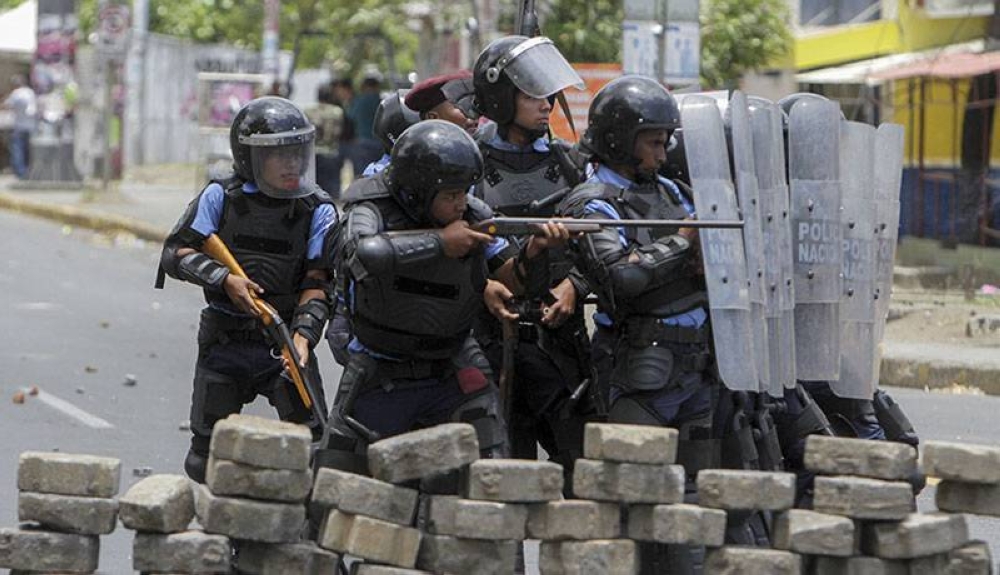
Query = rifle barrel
x=612 y=223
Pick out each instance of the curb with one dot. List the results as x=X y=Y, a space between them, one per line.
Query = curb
x=914 y=374
x=83 y=218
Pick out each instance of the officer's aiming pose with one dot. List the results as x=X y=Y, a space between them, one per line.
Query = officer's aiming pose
x=415 y=275
x=275 y=223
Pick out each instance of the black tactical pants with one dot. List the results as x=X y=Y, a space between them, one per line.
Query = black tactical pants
x=234 y=366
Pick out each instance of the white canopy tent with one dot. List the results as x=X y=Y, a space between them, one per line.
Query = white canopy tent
x=18 y=29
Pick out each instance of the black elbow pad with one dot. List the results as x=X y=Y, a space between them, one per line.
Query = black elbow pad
x=202 y=270
x=657 y=263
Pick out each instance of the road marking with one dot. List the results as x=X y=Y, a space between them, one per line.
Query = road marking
x=71 y=410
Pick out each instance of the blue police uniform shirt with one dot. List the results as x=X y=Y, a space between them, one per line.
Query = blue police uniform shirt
x=605 y=175
x=540 y=145
x=377 y=166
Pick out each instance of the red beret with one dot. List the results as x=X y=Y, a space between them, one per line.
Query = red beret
x=427 y=94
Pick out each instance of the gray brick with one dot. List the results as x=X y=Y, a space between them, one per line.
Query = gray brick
x=370 y=539
x=186 y=552
x=371 y=569
x=811 y=533
x=29 y=550
x=262 y=442
x=574 y=519
x=359 y=495
x=69 y=513
x=962 y=462
x=158 y=503
x=858 y=566
x=732 y=489
x=862 y=457
x=975 y=498
x=918 y=535
x=68 y=474
x=446 y=554
x=628 y=482
x=630 y=443
x=250 y=519
x=471 y=519
x=862 y=498
x=233 y=478
x=286 y=559
x=423 y=453
x=973 y=558
x=680 y=523
x=733 y=560
x=607 y=557
x=515 y=480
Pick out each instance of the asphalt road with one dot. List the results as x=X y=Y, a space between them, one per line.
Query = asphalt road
x=82 y=321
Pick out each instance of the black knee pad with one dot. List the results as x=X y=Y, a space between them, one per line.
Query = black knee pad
x=629 y=410
x=482 y=411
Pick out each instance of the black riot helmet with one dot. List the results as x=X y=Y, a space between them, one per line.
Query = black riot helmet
x=392 y=118
x=431 y=156
x=272 y=145
x=518 y=63
x=623 y=108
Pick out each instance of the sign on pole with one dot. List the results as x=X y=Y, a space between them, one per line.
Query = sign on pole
x=113 y=27
x=662 y=39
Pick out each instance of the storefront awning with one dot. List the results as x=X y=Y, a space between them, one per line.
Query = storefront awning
x=871 y=72
x=946 y=66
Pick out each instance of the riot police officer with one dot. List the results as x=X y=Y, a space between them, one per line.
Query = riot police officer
x=275 y=222
x=516 y=80
x=412 y=297
x=651 y=293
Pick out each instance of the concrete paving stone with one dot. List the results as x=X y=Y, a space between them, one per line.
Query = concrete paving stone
x=863 y=498
x=515 y=480
x=447 y=554
x=630 y=443
x=974 y=498
x=185 y=552
x=918 y=535
x=68 y=513
x=628 y=482
x=285 y=559
x=249 y=519
x=424 y=453
x=973 y=558
x=472 y=519
x=261 y=442
x=48 y=551
x=370 y=539
x=574 y=519
x=371 y=569
x=733 y=489
x=849 y=456
x=680 y=523
x=961 y=462
x=810 y=533
x=232 y=478
x=158 y=503
x=68 y=474
x=858 y=566
x=607 y=557
x=733 y=560
x=359 y=495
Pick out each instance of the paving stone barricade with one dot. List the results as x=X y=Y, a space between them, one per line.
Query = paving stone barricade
x=263 y=512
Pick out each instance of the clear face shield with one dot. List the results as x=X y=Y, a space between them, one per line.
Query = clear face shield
x=538 y=69
x=283 y=163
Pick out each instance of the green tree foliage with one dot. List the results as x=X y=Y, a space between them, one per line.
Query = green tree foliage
x=738 y=36
x=584 y=30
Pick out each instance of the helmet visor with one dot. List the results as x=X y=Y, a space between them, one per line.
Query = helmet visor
x=461 y=93
x=538 y=69
x=282 y=171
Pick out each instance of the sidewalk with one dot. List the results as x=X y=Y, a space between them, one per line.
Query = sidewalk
x=149 y=211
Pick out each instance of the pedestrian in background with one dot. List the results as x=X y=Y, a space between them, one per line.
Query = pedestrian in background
x=328 y=118
x=22 y=102
x=365 y=149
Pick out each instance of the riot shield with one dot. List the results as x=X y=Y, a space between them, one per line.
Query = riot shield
x=857 y=304
x=779 y=310
x=753 y=236
x=888 y=178
x=813 y=168
x=722 y=249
